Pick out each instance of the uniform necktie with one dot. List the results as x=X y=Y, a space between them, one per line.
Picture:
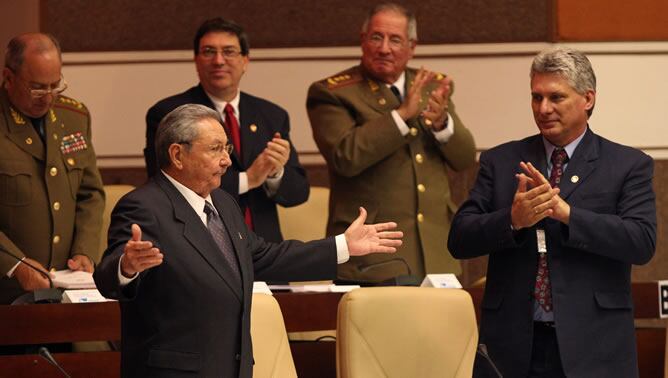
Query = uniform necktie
x=222 y=239
x=543 y=289
x=232 y=126
x=396 y=92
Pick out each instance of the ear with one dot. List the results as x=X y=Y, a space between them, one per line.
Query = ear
x=412 y=44
x=246 y=60
x=7 y=77
x=176 y=155
x=590 y=98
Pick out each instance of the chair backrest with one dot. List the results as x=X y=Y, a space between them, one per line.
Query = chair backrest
x=406 y=332
x=271 y=350
x=113 y=193
x=307 y=221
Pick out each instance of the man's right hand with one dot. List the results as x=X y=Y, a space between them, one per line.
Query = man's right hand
x=410 y=108
x=139 y=255
x=258 y=171
x=28 y=278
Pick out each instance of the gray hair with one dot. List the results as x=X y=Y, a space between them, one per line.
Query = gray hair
x=571 y=64
x=396 y=8
x=14 y=54
x=180 y=126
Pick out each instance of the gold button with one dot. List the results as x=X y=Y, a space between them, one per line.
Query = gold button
x=56 y=205
x=55 y=136
x=420 y=217
x=421 y=188
x=414 y=131
x=28 y=140
x=419 y=158
x=427 y=122
x=53 y=171
x=70 y=161
x=56 y=239
x=382 y=101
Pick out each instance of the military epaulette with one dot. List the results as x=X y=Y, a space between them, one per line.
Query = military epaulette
x=70 y=104
x=342 y=80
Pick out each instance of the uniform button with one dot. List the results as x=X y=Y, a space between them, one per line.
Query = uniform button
x=55 y=136
x=420 y=217
x=56 y=239
x=421 y=188
x=382 y=101
x=28 y=140
x=70 y=161
x=427 y=122
x=414 y=131
x=419 y=158
x=56 y=205
x=53 y=171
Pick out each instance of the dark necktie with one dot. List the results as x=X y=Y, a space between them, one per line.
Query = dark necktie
x=222 y=239
x=543 y=289
x=232 y=126
x=396 y=92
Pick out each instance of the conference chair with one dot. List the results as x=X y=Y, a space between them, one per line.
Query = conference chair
x=406 y=332
x=113 y=193
x=307 y=221
x=271 y=350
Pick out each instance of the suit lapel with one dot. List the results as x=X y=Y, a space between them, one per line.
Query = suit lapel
x=580 y=165
x=21 y=131
x=534 y=153
x=249 y=129
x=198 y=236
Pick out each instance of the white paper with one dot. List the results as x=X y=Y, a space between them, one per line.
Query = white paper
x=73 y=279
x=443 y=281
x=83 y=296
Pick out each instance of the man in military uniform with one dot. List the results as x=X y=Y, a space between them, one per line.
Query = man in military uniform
x=388 y=132
x=51 y=194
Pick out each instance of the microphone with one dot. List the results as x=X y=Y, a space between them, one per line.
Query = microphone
x=50 y=295
x=482 y=350
x=44 y=353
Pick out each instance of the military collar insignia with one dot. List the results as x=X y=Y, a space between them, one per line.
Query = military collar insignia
x=17 y=117
x=52 y=116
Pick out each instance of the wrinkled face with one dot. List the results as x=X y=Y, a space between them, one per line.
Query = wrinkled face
x=220 y=75
x=386 y=48
x=559 y=111
x=202 y=162
x=38 y=71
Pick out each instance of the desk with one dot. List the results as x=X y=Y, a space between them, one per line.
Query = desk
x=34 y=324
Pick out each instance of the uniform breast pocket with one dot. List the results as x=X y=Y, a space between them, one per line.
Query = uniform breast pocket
x=74 y=166
x=15 y=183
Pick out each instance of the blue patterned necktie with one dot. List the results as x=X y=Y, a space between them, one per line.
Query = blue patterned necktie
x=222 y=239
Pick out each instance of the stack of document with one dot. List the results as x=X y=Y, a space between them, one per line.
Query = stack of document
x=73 y=279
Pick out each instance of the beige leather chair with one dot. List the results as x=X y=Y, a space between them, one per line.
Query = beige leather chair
x=113 y=194
x=406 y=332
x=307 y=221
x=271 y=350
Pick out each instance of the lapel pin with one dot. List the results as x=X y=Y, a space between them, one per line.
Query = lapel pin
x=253 y=128
x=574 y=179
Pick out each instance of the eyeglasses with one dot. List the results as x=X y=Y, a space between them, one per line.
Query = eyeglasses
x=377 y=39
x=41 y=91
x=227 y=52
x=216 y=149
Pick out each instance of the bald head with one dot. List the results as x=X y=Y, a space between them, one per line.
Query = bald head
x=29 y=43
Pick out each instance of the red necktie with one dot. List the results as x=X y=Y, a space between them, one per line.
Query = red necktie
x=232 y=126
x=543 y=289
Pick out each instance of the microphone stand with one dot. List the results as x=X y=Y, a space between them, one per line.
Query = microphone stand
x=44 y=353
x=50 y=295
x=482 y=350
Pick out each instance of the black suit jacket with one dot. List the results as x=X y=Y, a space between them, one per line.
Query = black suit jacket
x=268 y=118
x=188 y=317
x=612 y=226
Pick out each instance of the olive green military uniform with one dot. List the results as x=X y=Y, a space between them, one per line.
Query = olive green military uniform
x=51 y=199
x=396 y=178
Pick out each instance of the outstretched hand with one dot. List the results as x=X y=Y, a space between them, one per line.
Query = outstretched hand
x=372 y=238
x=139 y=255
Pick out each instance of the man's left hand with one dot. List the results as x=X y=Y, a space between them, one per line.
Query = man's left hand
x=278 y=153
x=81 y=262
x=363 y=239
x=562 y=210
x=437 y=110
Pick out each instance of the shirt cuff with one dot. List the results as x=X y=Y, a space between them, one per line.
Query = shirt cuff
x=122 y=280
x=401 y=124
x=243 y=183
x=11 y=271
x=342 y=253
x=271 y=184
x=448 y=131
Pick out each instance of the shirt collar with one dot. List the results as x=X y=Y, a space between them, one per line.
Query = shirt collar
x=193 y=199
x=570 y=148
x=220 y=103
x=400 y=84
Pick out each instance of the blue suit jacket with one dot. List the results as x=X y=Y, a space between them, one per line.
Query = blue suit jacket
x=612 y=226
x=268 y=118
x=188 y=316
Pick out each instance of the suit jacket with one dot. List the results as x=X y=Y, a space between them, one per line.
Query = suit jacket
x=268 y=118
x=188 y=316
x=612 y=226
x=51 y=194
x=396 y=178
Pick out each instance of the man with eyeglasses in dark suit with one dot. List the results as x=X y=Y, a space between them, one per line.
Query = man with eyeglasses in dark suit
x=265 y=170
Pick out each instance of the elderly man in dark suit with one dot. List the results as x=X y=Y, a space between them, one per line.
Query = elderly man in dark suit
x=563 y=215
x=265 y=170
x=182 y=261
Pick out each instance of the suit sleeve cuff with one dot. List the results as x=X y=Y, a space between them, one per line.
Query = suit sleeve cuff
x=401 y=124
x=448 y=131
x=342 y=253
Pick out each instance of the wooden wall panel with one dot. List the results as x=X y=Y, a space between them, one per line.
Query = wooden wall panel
x=616 y=20
x=130 y=25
